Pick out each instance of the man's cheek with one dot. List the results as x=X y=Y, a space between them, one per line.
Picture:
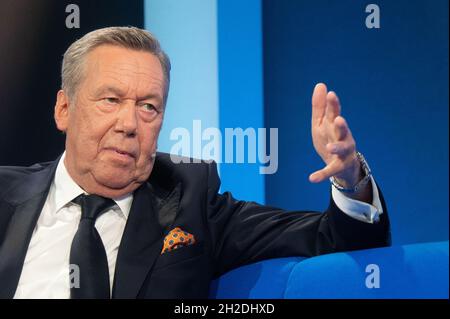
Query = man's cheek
x=143 y=170
x=148 y=144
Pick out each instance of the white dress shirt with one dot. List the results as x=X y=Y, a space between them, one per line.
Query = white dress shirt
x=45 y=272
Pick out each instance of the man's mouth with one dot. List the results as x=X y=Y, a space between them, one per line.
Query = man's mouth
x=121 y=152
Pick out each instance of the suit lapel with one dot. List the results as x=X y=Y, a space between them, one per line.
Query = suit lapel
x=26 y=201
x=167 y=210
x=141 y=244
x=150 y=217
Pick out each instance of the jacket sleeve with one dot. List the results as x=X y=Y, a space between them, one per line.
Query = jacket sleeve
x=246 y=232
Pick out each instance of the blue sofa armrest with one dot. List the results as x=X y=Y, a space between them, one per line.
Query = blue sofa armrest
x=265 y=279
x=409 y=271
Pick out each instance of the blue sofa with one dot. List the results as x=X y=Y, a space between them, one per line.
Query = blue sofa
x=409 y=271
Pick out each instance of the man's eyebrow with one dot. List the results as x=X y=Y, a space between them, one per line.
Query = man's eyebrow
x=151 y=96
x=120 y=93
x=109 y=89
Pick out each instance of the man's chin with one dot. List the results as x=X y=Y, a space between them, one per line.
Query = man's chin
x=115 y=190
x=116 y=182
x=115 y=185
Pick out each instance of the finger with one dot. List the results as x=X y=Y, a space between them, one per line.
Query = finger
x=341 y=149
x=330 y=170
x=319 y=103
x=333 y=108
x=341 y=128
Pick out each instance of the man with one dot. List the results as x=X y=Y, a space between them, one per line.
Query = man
x=112 y=218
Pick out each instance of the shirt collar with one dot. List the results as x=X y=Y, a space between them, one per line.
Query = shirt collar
x=66 y=190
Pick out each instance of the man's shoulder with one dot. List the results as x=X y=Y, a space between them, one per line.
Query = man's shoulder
x=11 y=175
x=181 y=162
x=19 y=171
x=178 y=169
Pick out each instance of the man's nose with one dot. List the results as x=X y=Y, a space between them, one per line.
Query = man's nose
x=127 y=119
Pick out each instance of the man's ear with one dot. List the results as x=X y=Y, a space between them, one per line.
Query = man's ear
x=62 y=111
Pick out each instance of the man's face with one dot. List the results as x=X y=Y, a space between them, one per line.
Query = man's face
x=113 y=125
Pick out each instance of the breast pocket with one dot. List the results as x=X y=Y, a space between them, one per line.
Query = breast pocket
x=179 y=255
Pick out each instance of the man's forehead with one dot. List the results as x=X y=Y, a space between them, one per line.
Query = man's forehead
x=123 y=61
x=116 y=68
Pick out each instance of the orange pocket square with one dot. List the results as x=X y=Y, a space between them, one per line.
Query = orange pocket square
x=177 y=238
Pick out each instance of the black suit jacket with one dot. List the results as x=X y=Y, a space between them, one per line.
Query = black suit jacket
x=229 y=233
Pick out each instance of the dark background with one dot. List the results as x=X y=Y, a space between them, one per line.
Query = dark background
x=33 y=39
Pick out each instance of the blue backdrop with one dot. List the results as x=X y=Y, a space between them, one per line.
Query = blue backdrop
x=254 y=64
x=393 y=86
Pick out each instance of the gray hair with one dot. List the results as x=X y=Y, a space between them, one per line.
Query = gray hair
x=126 y=37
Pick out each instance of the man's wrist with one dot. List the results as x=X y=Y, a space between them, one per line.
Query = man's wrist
x=355 y=175
x=357 y=178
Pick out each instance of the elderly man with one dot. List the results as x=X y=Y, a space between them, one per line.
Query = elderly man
x=112 y=218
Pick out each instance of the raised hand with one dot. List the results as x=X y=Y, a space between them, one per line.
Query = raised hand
x=333 y=140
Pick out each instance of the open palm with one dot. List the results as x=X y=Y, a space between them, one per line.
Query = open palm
x=332 y=139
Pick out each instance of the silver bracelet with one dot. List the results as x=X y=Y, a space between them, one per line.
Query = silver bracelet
x=361 y=184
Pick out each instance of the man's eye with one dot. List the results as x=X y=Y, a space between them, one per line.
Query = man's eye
x=111 y=100
x=148 y=107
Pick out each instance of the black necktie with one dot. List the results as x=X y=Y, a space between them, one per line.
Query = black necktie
x=87 y=251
